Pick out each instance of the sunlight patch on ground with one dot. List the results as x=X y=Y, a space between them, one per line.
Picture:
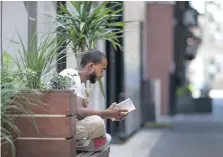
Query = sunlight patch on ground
x=140 y=145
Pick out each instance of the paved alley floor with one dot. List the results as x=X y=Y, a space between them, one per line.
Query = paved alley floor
x=191 y=136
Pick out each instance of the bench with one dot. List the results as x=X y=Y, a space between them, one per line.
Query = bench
x=56 y=124
x=104 y=153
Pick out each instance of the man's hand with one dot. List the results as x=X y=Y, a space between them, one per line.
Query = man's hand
x=120 y=118
x=122 y=112
x=112 y=112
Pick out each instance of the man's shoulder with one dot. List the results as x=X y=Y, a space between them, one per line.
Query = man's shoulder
x=67 y=72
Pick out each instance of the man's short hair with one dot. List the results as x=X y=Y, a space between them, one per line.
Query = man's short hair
x=92 y=55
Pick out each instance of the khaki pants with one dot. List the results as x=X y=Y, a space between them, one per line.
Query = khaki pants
x=90 y=127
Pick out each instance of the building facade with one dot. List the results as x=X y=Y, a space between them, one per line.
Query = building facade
x=148 y=54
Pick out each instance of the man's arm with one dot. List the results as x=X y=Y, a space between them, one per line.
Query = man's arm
x=83 y=112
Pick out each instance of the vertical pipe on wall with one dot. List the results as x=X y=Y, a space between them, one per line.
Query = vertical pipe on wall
x=32 y=23
x=61 y=64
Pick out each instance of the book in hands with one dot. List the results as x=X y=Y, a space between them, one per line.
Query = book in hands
x=127 y=105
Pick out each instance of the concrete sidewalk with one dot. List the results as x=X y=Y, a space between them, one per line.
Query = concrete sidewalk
x=191 y=136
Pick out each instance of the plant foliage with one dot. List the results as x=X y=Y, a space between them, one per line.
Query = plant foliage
x=35 y=62
x=85 y=24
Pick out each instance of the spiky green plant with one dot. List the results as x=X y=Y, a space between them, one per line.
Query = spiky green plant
x=11 y=87
x=36 y=61
x=6 y=83
x=84 y=25
x=33 y=63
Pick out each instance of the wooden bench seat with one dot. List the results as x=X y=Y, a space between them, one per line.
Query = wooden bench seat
x=104 y=153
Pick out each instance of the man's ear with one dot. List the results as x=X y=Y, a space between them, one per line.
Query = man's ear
x=90 y=66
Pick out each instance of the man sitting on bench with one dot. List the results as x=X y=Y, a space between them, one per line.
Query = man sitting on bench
x=90 y=123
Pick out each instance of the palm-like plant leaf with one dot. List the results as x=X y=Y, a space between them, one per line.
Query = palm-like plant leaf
x=35 y=62
x=85 y=25
x=11 y=87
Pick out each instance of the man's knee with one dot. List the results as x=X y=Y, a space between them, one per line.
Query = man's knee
x=97 y=125
x=97 y=122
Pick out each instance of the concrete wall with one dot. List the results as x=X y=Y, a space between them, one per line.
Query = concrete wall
x=133 y=11
x=18 y=22
x=159 y=47
x=14 y=18
x=46 y=24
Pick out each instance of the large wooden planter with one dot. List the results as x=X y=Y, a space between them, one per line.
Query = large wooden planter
x=50 y=131
x=5 y=149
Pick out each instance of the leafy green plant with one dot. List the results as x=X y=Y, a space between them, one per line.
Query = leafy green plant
x=6 y=83
x=182 y=91
x=84 y=25
x=35 y=62
x=60 y=82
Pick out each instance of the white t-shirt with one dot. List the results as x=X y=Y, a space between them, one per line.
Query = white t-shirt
x=78 y=86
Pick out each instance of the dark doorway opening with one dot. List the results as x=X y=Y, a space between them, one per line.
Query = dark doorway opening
x=114 y=79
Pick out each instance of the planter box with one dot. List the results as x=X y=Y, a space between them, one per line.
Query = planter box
x=203 y=105
x=54 y=114
x=47 y=126
x=55 y=102
x=5 y=150
x=185 y=104
x=48 y=147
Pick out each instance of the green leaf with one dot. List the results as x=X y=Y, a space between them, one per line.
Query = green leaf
x=87 y=25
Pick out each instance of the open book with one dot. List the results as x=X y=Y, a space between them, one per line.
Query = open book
x=126 y=104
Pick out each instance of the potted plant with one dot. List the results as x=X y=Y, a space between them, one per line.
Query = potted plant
x=85 y=24
x=35 y=64
x=7 y=143
x=10 y=89
x=53 y=107
x=185 y=103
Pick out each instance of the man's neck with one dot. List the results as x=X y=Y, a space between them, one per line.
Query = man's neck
x=83 y=76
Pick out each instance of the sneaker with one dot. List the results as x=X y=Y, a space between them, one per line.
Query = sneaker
x=94 y=145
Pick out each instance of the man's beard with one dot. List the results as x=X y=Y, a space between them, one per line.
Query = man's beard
x=93 y=78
